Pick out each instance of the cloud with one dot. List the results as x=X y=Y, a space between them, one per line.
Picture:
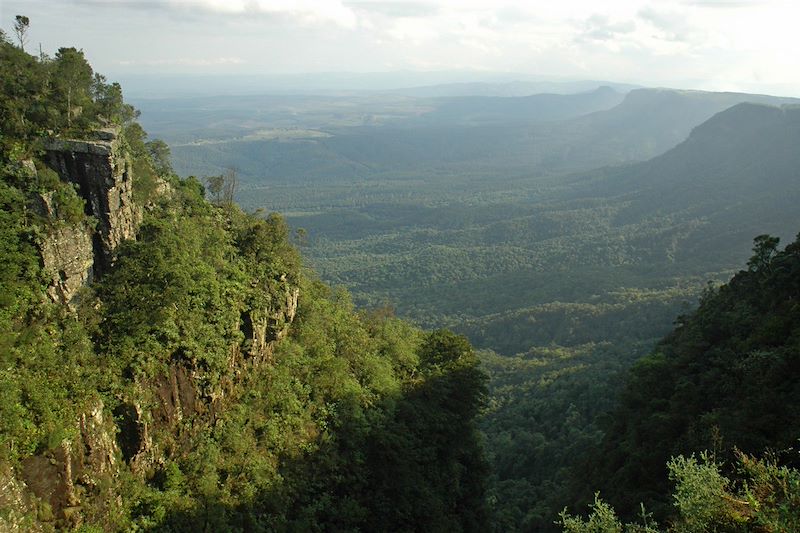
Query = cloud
x=306 y=12
x=395 y=9
x=508 y=17
x=600 y=28
x=725 y=41
x=671 y=25
x=724 y=4
x=142 y=5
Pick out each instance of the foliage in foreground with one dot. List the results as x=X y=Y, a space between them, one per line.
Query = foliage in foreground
x=762 y=497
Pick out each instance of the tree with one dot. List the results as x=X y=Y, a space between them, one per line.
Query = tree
x=231 y=184
x=602 y=519
x=26 y=105
x=223 y=187
x=765 y=247
x=109 y=104
x=764 y=496
x=214 y=184
x=21 y=25
x=73 y=79
x=160 y=157
x=444 y=349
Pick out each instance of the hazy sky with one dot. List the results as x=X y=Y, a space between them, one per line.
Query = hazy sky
x=748 y=45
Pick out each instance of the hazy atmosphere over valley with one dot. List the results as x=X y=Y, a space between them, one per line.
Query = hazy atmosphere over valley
x=721 y=45
x=400 y=265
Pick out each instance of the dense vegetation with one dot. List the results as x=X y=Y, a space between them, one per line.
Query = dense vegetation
x=726 y=379
x=568 y=279
x=762 y=496
x=346 y=420
x=460 y=215
x=42 y=345
x=720 y=388
x=317 y=437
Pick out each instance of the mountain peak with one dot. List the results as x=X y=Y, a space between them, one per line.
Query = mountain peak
x=744 y=119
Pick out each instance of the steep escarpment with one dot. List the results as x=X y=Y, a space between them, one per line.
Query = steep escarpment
x=77 y=249
x=155 y=350
x=188 y=316
x=168 y=364
x=67 y=253
x=204 y=379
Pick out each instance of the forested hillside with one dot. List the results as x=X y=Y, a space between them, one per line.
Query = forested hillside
x=617 y=247
x=719 y=390
x=727 y=378
x=167 y=363
x=687 y=214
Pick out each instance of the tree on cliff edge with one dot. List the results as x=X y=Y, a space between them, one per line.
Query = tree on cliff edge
x=72 y=80
x=21 y=24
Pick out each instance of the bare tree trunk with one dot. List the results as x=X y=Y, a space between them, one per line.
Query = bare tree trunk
x=231 y=183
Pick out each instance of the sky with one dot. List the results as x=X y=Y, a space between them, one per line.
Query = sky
x=739 y=45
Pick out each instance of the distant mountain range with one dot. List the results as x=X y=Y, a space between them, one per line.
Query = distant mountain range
x=647 y=123
x=408 y=83
x=346 y=138
x=544 y=107
x=509 y=89
x=738 y=173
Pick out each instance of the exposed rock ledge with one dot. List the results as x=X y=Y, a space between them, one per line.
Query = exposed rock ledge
x=104 y=177
x=74 y=255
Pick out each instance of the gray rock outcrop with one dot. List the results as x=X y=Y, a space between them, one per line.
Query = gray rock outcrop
x=74 y=255
x=103 y=174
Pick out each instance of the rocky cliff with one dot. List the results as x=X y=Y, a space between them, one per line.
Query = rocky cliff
x=100 y=169
x=76 y=478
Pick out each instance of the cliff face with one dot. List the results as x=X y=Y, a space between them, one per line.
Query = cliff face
x=263 y=327
x=67 y=253
x=77 y=477
x=101 y=170
x=79 y=472
x=168 y=408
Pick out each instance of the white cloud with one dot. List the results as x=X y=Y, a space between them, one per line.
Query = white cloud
x=395 y=9
x=670 y=25
x=304 y=11
x=600 y=28
x=726 y=4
